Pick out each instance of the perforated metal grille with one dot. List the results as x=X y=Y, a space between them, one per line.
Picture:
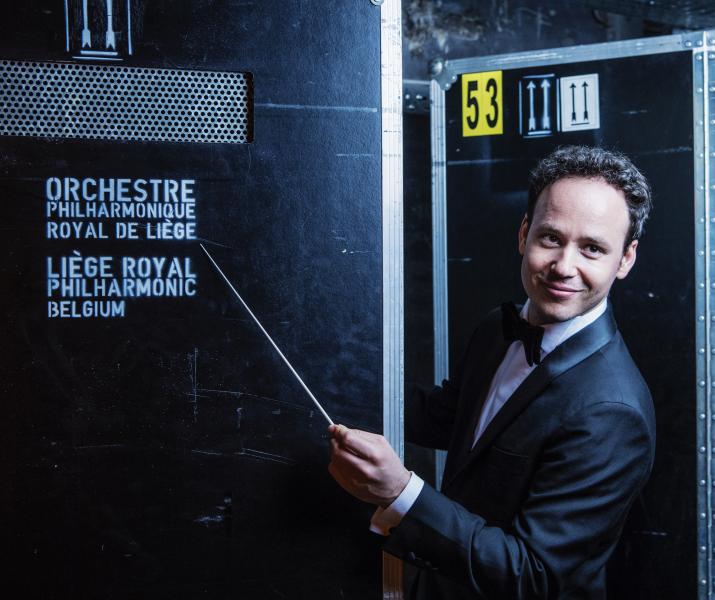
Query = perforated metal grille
x=64 y=100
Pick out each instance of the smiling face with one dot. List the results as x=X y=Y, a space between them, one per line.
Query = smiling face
x=573 y=248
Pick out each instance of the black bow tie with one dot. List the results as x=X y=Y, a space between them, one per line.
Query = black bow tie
x=516 y=328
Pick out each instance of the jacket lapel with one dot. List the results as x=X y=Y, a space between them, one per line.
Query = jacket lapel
x=565 y=356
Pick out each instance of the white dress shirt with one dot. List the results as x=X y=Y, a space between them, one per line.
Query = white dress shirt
x=512 y=371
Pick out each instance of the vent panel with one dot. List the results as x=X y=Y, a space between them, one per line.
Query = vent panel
x=66 y=100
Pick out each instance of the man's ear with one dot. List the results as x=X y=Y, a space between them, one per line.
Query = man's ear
x=627 y=260
x=523 y=232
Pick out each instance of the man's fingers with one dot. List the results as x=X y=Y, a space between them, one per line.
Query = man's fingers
x=334 y=429
x=364 y=465
x=347 y=460
x=338 y=432
x=338 y=476
x=348 y=475
x=362 y=443
x=348 y=483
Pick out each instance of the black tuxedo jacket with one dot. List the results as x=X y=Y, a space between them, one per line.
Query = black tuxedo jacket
x=536 y=508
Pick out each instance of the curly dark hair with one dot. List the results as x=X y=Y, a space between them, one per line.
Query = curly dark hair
x=586 y=161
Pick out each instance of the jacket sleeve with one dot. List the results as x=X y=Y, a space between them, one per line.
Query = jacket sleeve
x=574 y=510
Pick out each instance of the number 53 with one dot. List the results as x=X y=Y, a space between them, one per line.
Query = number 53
x=482 y=104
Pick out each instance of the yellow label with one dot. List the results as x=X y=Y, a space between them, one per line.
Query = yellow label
x=482 y=104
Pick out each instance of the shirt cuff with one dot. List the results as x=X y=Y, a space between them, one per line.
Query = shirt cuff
x=385 y=519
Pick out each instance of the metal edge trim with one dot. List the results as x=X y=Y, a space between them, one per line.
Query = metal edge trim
x=708 y=131
x=702 y=345
x=439 y=249
x=569 y=54
x=703 y=233
x=392 y=253
x=706 y=482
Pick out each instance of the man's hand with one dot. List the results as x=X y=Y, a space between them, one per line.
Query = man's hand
x=366 y=466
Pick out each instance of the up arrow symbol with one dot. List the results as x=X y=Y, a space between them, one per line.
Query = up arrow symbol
x=585 y=101
x=545 y=119
x=573 y=102
x=532 y=119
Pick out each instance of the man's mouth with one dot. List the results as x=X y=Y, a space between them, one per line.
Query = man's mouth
x=559 y=290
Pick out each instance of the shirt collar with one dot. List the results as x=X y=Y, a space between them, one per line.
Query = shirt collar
x=557 y=333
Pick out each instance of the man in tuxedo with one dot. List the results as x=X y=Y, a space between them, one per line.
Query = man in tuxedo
x=548 y=423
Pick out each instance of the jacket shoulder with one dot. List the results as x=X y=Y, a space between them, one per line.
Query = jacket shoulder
x=609 y=375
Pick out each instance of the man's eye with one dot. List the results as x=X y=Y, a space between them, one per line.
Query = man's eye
x=595 y=250
x=551 y=239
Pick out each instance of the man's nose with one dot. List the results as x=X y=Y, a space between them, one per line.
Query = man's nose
x=564 y=263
